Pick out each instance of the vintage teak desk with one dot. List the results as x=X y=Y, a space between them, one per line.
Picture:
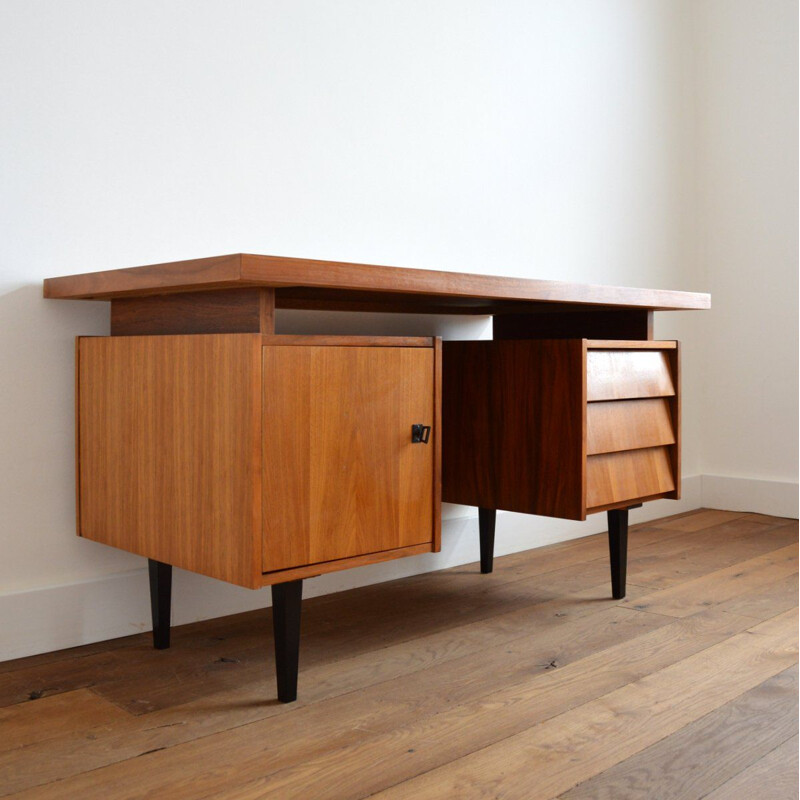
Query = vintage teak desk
x=206 y=441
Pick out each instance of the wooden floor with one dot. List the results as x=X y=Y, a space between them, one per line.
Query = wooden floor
x=527 y=683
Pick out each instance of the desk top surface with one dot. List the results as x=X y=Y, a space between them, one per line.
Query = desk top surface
x=336 y=285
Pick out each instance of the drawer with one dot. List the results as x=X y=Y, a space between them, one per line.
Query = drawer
x=632 y=475
x=561 y=427
x=628 y=425
x=620 y=374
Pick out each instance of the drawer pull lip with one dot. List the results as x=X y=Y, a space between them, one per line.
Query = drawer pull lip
x=420 y=434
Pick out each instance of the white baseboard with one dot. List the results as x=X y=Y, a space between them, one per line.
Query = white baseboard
x=776 y=498
x=57 y=617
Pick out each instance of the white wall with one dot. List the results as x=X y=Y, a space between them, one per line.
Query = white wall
x=747 y=204
x=553 y=140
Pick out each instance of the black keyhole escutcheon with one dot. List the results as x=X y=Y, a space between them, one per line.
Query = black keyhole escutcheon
x=420 y=434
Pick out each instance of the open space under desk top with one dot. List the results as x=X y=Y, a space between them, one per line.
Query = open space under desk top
x=336 y=285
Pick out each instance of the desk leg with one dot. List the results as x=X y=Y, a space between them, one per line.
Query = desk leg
x=618 y=550
x=486 y=523
x=286 y=602
x=160 y=601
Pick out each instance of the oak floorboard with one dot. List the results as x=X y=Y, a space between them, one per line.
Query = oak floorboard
x=699 y=520
x=781 y=595
x=344 y=614
x=356 y=697
x=778 y=770
x=401 y=617
x=50 y=717
x=542 y=762
x=390 y=613
x=681 y=559
x=385 y=700
x=433 y=741
x=705 y=754
x=721 y=585
x=664 y=564
x=341 y=620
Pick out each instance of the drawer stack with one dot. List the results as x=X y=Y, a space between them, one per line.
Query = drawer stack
x=632 y=422
x=561 y=428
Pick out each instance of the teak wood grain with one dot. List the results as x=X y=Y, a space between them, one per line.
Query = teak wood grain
x=513 y=415
x=224 y=311
x=331 y=277
x=341 y=475
x=171 y=440
x=626 y=373
x=324 y=567
x=628 y=425
x=169 y=449
x=613 y=478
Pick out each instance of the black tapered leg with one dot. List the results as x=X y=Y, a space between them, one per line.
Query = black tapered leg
x=486 y=523
x=286 y=602
x=160 y=601
x=618 y=550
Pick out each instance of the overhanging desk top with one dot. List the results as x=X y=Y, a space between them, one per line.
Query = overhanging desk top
x=334 y=285
x=260 y=461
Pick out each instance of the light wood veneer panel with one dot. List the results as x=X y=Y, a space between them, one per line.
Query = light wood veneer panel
x=628 y=425
x=621 y=374
x=341 y=476
x=632 y=475
x=169 y=449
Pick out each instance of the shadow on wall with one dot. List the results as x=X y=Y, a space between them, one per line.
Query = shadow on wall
x=37 y=461
x=347 y=323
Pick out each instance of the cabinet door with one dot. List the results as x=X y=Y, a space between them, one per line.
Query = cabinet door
x=342 y=477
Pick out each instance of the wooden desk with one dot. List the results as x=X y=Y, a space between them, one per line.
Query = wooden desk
x=206 y=441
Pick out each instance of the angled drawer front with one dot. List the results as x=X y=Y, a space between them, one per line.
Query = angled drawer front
x=560 y=427
x=621 y=374
x=630 y=475
x=632 y=423
x=342 y=476
x=628 y=425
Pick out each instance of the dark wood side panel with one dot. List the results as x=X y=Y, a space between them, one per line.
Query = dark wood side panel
x=246 y=310
x=512 y=440
x=601 y=323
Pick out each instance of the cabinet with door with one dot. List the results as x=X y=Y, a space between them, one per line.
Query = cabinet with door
x=256 y=459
